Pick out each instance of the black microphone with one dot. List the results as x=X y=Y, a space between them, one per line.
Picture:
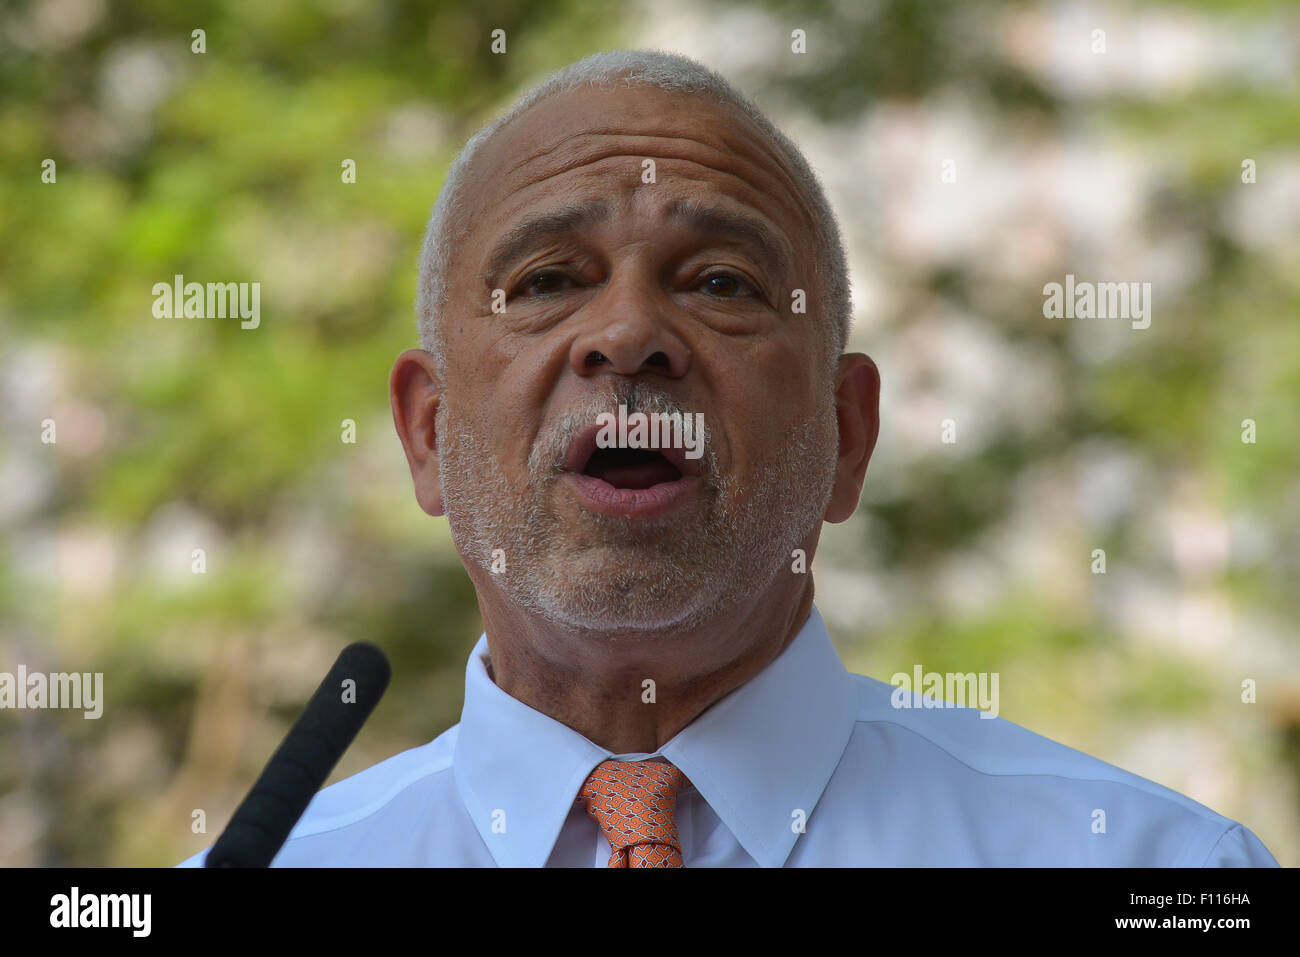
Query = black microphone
x=299 y=767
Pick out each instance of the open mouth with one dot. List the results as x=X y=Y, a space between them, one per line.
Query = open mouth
x=640 y=483
x=631 y=468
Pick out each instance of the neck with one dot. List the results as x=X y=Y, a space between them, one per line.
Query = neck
x=633 y=695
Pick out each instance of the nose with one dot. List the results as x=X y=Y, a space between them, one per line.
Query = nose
x=628 y=334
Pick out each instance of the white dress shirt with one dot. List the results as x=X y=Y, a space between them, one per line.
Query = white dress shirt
x=805 y=765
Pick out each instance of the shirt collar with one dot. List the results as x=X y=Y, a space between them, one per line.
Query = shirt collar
x=759 y=756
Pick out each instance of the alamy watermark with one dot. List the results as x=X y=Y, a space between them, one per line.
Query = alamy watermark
x=214 y=300
x=947 y=690
x=56 y=690
x=1100 y=300
x=130 y=911
x=654 y=430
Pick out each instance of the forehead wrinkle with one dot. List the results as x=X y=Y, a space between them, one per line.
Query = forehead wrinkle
x=587 y=161
x=737 y=157
x=768 y=150
x=759 y=157
x=748 y=142
x=596 y=152
x=567 y=139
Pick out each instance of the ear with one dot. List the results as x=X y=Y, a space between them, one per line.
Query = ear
x=414 y=392
x=857 y=410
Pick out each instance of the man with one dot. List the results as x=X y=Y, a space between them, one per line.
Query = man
x=654 y=685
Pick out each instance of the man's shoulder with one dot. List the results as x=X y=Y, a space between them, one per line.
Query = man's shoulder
x=368 y=792
x=995 y=766
x=987 y=743
x=355 y=802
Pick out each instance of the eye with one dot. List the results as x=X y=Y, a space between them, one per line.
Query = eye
x=726 y=286
x=543 y=282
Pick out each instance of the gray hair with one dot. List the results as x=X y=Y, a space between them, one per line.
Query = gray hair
x=667 y=71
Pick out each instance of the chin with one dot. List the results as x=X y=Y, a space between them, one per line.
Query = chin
x=606 y=608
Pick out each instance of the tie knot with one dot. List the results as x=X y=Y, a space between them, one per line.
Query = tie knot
x=634 y=803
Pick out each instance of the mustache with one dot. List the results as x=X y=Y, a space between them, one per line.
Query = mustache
x=553 y=443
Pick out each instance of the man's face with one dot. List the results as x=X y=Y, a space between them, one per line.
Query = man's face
x=634 y=301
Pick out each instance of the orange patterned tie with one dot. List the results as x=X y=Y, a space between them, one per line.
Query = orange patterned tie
x=633 y=802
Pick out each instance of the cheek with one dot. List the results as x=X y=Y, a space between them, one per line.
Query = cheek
x=758 y=385
x=507 y=434
x=490 y=377
x=762 y=397
x=514 y=372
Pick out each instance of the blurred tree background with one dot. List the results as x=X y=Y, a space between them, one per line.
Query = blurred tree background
x=973 y=152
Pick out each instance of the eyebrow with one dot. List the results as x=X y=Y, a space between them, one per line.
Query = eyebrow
x=695 y=214
x=751 y=231
x=537 y=229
